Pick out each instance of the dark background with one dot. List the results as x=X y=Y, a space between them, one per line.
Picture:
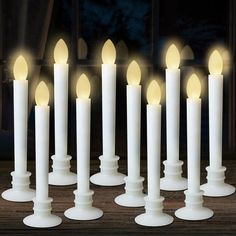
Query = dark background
x=139 y=29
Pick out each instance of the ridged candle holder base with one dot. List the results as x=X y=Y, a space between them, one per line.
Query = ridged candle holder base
x=133 y=196
x=42 y=217
x=109 y=175
x=215 y=186
x=193 y=209
x=83 y=209
x=20 y=191
x=154 y=216
x=173 y=180
x=61 y=175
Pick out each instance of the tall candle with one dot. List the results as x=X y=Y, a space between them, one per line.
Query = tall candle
x=20 y=115
x=193 y=133
x=42 y=141
x=172 y=103
x=153 y=139
x=61 y=98
x=133 y=119
x=83 y=111
x=108 y=99
x=215 y=80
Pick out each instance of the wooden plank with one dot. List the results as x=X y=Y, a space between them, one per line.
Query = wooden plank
x=118 y=220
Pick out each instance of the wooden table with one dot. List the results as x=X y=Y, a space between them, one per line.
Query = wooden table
x=117 y=220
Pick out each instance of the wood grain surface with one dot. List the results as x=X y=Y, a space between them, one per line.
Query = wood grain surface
x=117 y=220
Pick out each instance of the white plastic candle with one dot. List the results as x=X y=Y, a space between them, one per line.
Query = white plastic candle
x=133 y=119
x=42 y=141
x=108 y=99
x=215 y=80
x=61 y=98
x=83 y=111
x=193 y=133
x=172 y=103
x=153 y=139
x=20 y=115
x=42 y=216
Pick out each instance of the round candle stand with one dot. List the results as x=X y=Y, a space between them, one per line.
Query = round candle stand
x=133 y=196
x=20 y=191
x=173 y=180
x=109 y=176
x=61 y=174
x=193 y=209
x=83 y=209
x=42 y=217
x=215 y=186
x=154 y=216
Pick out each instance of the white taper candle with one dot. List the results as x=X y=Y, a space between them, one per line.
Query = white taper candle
x=61 y=98
x=108 y=109
x=83 y=113
x=42 y=141
x=153 y=150
x=194 y=133
x=172 y=103
x=20 y=125
x=215 y=119
x=133 y=129
x=172 y=114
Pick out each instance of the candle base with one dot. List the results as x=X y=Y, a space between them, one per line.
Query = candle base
x=83 y=209
x=193 y=209
x=133 y=196
x=42 y=217
x=61 y=174
x=215 y=186
x=108 y=176
x=20 y=191
x=173 y=180
x=154 y=216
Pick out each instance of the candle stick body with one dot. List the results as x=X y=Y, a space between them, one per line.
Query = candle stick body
x=42 y=151
x=61 y=108
x=172 y=114
x=133 y=130
x=153 y=150
x=83 y=107
x=194 y=142
x=108 y=109
x=215 y=119
x=20 y=125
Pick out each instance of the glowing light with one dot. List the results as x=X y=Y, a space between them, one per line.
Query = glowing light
x=42 y=94
x=133 y=73
x=193 y=87
x=108 y=52
x=20 y=69
x=215 y=63
x=83 y=87
x=60 y=52
x=153 y=93
x=172 y=57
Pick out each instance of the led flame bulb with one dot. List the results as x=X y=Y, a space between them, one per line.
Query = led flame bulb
x=215 y=63
x=83 y=87
x=61 y=52
x=193 y=87
x=172 y=57
x=20 y=69
x=108 y=52
x=153 y=93
x=133 y=73
x=42 y=94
